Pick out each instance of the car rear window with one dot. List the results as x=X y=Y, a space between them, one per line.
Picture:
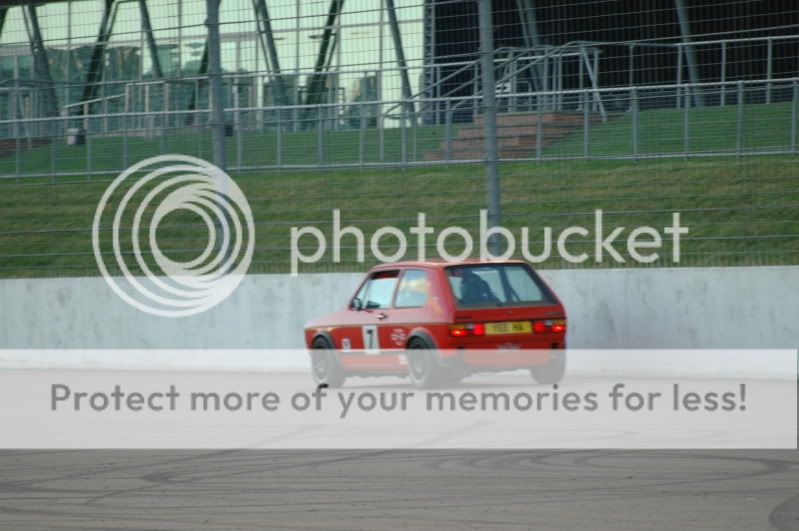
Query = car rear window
x=496 y=285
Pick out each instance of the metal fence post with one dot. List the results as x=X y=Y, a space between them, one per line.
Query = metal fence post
x=403 y=137
x=216 y=96
x=769 y=68
x=739 y=117
x=793 y=115
x=631 y=65
x=279 y=140
x=320 y=151
x=679 y=74
x=597 y=106
x=239 y=145
x=490 y=120
x=636 y=132
x=216 y=105
x=449 y=128
x=88 y=133
x=586 y=126
x=539 y=130
x=381 y=133
x=17 y=131
x=237 y=122
x=164 y=109
x=53 y=129
x=88 y=154
x=686 y=126
x=414 y=137
x=125 y=119
x=723 y=99
x=105 y=111
x=362 y=134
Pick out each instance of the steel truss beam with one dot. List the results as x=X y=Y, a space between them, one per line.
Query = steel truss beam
x=316 y=85
x=41 y=64
x=267 y=40
x=532 y=38
x=147 y=27
x=690 y=54
x=529 y=23
x=399 y=52
x=3 y=13
x=95 y=72
x=202 y=70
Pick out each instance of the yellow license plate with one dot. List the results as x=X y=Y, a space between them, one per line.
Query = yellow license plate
x=509 y=327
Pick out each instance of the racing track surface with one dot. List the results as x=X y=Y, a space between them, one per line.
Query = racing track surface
x=398 y=489
x=409 y=489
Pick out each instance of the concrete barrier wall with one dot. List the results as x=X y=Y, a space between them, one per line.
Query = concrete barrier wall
x=754 y=307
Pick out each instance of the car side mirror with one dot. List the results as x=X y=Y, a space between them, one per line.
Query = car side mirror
x=355 y=304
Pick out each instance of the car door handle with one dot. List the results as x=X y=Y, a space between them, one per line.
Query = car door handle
x=381 y=316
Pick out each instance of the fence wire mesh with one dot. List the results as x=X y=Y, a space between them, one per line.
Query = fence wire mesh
x=377 y=109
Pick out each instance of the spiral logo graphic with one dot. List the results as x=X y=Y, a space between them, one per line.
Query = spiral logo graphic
x=176 y=185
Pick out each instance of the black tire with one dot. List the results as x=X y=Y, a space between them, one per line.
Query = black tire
x=423 y=368
x=553 y=371
x=325 y=367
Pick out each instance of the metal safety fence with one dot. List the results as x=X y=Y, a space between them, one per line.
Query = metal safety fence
x=543 y=117
x=758 y=117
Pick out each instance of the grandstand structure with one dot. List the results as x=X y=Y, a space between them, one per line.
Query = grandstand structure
x=389 y=82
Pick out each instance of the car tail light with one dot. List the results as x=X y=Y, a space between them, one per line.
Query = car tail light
x=467 y=329
x=549 y=325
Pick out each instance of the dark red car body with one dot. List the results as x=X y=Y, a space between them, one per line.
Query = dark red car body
x=488 y=337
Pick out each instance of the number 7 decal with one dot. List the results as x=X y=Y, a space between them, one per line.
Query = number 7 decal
x=371 y=342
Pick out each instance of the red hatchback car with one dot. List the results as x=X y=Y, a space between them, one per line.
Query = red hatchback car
x=438 y=322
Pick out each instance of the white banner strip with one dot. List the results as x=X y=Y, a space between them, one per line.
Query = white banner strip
x=129 y=409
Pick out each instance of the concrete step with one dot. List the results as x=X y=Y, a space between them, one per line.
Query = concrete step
x=549 y=130
x=8 y=146
x=528 y=141
x=531 y=118
x=516 y=135
x=509 y=152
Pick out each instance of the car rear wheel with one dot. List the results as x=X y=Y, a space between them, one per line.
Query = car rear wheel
x=423 y=368
x=325 y=366
x=553 y=371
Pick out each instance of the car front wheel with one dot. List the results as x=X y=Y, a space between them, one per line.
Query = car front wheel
x=325 y=366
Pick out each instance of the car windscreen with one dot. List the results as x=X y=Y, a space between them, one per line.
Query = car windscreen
x=496 y=285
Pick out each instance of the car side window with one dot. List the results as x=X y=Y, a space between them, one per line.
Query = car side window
x=380 y=290
x=360 y=294
x=413 y=289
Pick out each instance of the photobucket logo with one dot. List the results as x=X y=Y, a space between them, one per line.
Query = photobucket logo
x=155 y=188
x=642 y=243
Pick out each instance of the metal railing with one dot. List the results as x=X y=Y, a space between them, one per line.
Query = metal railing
x=511 y=63
x=639 y=125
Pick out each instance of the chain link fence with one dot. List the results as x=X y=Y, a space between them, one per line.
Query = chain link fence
x=378 y=110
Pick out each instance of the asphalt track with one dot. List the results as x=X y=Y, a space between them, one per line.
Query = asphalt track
x=246 y=489
x=407 y=489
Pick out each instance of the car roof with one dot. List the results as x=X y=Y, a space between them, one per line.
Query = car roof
x=439 y=264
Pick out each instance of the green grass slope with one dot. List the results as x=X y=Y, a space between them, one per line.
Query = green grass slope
x=739 y=211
